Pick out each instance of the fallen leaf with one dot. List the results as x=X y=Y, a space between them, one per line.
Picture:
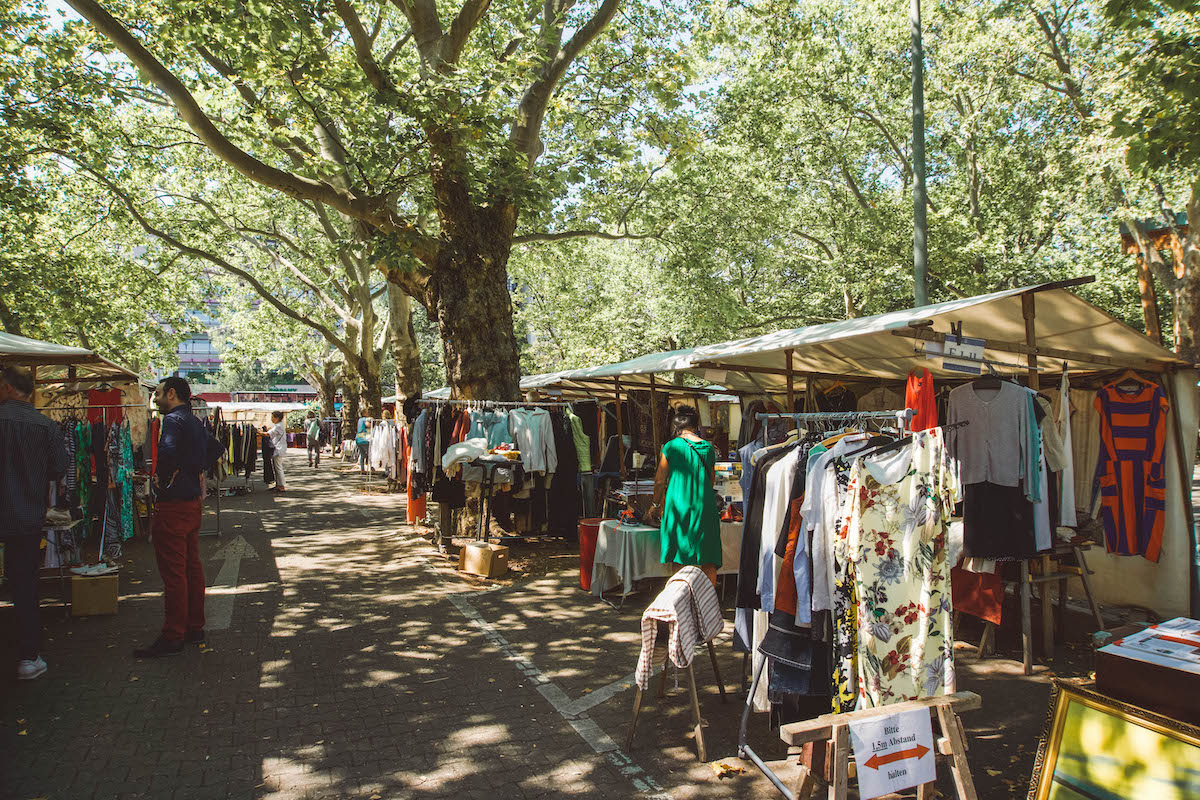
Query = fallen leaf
x=376 y=797
x=724 y=770
x=134 y=678
x=22 y=733
x=20 y=722
x=993 y=772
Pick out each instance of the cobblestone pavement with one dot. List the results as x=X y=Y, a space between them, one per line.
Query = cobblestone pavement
x=357 y=664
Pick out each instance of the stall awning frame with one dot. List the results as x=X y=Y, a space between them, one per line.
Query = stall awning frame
x=59 y=363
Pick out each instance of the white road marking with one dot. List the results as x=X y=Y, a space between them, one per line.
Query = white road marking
x=219 y=605
x=571 y=711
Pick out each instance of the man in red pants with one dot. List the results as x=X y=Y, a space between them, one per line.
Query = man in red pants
x=185 y=451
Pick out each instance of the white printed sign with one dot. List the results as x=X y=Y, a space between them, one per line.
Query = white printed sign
x=893 y=753
x=960 y=355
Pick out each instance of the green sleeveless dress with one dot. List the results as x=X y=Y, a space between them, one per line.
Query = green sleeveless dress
x=691 y=530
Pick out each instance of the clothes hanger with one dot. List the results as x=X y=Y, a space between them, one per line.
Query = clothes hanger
x=1128 y=381
x=990 y=381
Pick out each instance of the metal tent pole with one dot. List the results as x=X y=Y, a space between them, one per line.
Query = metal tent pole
x=920 y=226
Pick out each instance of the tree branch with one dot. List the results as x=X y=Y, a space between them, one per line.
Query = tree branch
x=531 y=238
x=374 y=210
x=527 y=127
x=274 y=256
x=395 y=51
x=216 y=260
x=828 y=250
x=426 y=27
x=297 y=148
x=468 y=17
x=362 y=46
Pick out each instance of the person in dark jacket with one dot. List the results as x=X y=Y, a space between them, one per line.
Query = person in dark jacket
x=32 y=454
x=185 y=452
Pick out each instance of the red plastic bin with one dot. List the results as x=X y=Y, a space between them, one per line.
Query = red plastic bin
x=589 y=532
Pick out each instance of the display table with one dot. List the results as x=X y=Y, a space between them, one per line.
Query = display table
x=627 y=553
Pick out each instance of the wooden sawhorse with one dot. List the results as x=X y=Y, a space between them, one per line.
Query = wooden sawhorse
x=833 y=731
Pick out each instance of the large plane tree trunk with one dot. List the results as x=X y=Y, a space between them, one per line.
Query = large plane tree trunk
x=472 y=305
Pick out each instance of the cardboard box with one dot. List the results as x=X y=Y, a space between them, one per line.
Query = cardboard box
x=486 y=559
x=92 y=596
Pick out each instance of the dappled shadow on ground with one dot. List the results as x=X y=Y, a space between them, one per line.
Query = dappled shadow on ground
x=347 y=672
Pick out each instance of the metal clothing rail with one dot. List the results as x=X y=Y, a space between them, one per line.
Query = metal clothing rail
x=501 y=403
x=818 y=416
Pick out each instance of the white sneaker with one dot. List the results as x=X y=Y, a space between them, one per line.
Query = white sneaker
x=29 y=670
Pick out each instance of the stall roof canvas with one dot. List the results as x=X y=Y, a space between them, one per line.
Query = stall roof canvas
x=57 y=358
x=869 y=346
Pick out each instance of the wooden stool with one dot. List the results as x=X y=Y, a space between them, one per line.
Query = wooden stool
x=697 y=722
x=833 y=731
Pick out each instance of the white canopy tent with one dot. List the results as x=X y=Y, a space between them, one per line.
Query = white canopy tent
x=1046 y=321
x=257 y=413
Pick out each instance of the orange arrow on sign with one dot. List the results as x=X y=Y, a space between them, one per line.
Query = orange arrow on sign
x=876 y=761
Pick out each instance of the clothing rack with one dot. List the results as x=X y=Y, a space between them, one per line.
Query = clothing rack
x=103 y=408
x=745 y=751
x=501 y=403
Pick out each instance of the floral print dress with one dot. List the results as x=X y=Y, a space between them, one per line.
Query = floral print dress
x=897 y=516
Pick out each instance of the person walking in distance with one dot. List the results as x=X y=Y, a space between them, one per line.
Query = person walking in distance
x=185 y=452
x=278 y=436
x=32 y=453
x=313 y=433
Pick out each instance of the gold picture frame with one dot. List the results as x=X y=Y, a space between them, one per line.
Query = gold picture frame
x=1097 y=748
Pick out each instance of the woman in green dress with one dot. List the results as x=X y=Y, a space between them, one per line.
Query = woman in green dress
x=684 y=499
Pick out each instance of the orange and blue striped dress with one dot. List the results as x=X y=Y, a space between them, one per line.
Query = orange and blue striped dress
x=1133 y=431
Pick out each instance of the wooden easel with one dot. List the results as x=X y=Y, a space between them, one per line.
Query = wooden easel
x=833 y=732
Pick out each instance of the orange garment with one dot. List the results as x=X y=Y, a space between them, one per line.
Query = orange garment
x=415 y=507
x=462 y=427
x=786 y=596
x=1133 y=487
x=919 y=396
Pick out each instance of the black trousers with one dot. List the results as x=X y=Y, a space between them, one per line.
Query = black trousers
x=22 y=560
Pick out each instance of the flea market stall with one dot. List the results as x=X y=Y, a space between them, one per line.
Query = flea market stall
x=103 y=410
x=1036 y=334
x=931 y=460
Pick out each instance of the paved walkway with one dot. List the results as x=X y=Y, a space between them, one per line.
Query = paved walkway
x=356 y=664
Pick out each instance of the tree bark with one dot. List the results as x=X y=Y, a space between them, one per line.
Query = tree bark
x=372 y=394
x=1146 y=258
x=469 y=291
x=406 y=351
x=351 y=403
x=1187 y=282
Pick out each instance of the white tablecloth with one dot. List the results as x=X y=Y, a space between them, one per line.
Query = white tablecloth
x=626 y=553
